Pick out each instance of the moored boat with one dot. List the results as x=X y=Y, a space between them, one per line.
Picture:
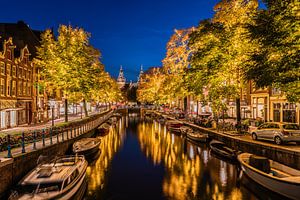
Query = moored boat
x=103 y=129
x=174 y=126
x=87 y=146
x=62 y=178
x=221 y=149
x=196 y=136
x=185 y=129
x=272 y=175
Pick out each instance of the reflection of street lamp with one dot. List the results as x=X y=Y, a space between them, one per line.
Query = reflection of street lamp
x=52 y=104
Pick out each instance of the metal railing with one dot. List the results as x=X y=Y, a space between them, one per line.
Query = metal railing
x=40 y=138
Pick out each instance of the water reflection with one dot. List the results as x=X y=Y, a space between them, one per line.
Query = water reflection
x=97 y=171
x=191 y=172
x=143 y=158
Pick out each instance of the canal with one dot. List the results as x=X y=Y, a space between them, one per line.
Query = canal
x=142 y=160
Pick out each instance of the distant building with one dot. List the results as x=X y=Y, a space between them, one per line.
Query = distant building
x=121 y=79
x=129 y=89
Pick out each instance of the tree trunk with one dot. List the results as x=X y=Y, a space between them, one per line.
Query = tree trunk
x=66 y=110
x=85 y=108
x=238 y=114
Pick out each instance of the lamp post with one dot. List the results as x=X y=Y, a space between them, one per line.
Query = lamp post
x=52 y=104
x=81 y=109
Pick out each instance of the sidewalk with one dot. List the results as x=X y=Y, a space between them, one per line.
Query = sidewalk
x=48 y=124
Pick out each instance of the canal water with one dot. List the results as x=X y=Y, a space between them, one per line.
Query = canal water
x=142 y=160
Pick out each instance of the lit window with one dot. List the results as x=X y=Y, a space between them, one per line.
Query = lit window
x=2 y=87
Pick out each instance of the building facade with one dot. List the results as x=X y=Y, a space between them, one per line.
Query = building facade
x=16 y=86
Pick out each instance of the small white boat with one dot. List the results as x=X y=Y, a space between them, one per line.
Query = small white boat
x=87 y=146
x=198 y=137
x=277 y=177
x=62 y=178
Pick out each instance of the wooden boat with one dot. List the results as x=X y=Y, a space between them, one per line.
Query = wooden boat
x=174 y=126
x=103 y=129
x=185 y=129
x=87 y=146
x=221 y=149
x=62 y=178
x=272 y=175
x=196 y=136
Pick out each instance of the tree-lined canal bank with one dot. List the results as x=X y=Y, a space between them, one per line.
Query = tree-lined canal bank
x=142 y=160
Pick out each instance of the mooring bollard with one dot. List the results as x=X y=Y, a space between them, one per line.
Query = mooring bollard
x=34 y=140
x=23 y=143
x=43 y=137
x=8 y=147
x=51 y=142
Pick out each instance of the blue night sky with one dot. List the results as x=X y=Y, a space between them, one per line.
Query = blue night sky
x=127 y=32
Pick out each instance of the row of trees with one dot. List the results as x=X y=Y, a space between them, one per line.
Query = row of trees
x=69 y=63
x=241 y=43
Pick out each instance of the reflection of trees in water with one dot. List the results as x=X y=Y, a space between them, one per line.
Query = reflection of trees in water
x=183 y=170
x=191 y=173
x=109 y=146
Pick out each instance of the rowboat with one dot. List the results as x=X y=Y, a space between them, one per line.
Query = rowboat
x=174 y=126
x=185 y=129
x=196 y=136
x=62 y=178
x=87 y=146
x=103 y=129
x=272 y=175
x=221 y=149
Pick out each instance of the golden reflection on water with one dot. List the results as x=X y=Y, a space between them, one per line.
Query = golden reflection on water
x=185 y=165
x=110 y=144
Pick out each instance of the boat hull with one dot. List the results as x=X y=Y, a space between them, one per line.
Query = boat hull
x=282 y=187
x=227 y=154
x=200 y=138
x=89 y=153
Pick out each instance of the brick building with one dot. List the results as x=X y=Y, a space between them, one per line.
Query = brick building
x=18 y=75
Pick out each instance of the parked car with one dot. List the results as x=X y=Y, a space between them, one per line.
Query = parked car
x=278 y=132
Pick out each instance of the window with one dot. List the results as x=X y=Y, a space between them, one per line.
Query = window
x=13 y=89
x=20 y=72
x=24 y=88
x=289 y=112
x=29 y=89
x=20 y=88
x=8 y=87
x=14 y=71
x=276 y=91
x=273 y=126
x=276 y=112
x=2 y=68
x=291 y=126
x=2 y=87
x=8 y=68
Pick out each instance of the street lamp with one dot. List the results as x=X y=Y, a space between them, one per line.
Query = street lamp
x=81 y=106
x=52 y=104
